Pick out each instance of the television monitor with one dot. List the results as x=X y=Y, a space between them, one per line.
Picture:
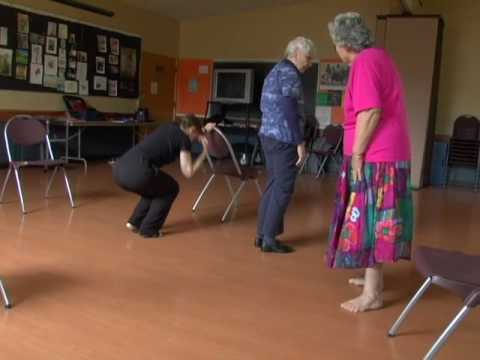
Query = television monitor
x=233 y=86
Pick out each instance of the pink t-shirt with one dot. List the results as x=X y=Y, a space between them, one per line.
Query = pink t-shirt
x=374 y=82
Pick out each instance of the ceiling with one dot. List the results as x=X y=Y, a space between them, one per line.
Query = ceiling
x=189 y=9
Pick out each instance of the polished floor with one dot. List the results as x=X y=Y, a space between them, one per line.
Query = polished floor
x=86 y=288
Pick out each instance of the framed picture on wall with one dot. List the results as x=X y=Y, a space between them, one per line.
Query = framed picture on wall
x=51 y=45
x=37 y=54
x=114 y=46
x=6 y=62
x=51 y=65
x=63 y=31
x=37 y=39
x=22 y=41
x=128 y=63
x=23 y=23
x=100 y=83
x=112 y=87
x=3 y=36
x=83 y=87
x=102 y=43
x=36 y=74
x=52 y=29
x=100 y=65
x=333 y=75
x=21 y=72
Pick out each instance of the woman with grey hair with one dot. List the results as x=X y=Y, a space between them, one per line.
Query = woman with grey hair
x=373 y=220
x=282 y=138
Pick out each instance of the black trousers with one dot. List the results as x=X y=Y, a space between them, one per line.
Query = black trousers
x=158 y=190
x=282 y=172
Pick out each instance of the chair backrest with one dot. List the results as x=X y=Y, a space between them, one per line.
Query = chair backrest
x=311 y=127
x=25 y=130
x=214 y=112
x=466 y=127
x=220 y=148
x=333 y=135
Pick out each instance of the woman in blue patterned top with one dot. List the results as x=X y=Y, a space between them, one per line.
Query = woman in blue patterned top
x=281 y=135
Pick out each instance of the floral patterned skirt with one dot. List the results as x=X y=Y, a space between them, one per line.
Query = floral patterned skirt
x=373 y=220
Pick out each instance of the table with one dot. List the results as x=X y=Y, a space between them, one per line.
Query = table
x=78 y=125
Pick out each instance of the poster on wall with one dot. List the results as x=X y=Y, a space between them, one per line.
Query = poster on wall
x=332 y=80
x=114 y=46
x=52 y=29
x=112 y=88
x=22 y=23
x=51 y=45
x=50 y=81
x=21 y=72
x=102 y=43
x=333 y=75
x=6 y=62
x=128 y=63
x=3 y=36
x=63 y=31
x=100 y=65
x=37 y=39
x=83 y=87
x=51 y=65
x=22 y=41
x=323 y=114
x=100 y=83
x=37 y=54
x=36 y=74
x=71 y=87
x=82 y=71
x=21 y=57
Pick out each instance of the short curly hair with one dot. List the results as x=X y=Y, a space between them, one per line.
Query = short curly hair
x=350 y=31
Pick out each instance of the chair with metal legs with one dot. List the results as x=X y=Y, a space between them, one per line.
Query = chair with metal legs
x=25 y=130
x=223 y=162
x=455 y=271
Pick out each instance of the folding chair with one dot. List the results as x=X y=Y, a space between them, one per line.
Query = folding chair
x=464 y=147
x=311 y=134
x=24 y=130
x=454 y=271
x=332 y=137
x=223 y=162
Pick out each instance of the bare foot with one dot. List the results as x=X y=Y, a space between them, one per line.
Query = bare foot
x=360 y=281
x=363 y=303
x=357 y=281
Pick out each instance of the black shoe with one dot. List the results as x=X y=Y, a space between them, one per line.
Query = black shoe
x=131 y=227
x=277 y=247
x=154 y=235
x=258 y=241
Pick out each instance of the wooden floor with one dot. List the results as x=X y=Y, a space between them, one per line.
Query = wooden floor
x=86 y=288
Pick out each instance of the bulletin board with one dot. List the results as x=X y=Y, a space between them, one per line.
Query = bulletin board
x=49 y=54
x=332 y=81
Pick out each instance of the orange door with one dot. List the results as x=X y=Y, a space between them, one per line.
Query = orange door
x=158 y=86
x=194 y=84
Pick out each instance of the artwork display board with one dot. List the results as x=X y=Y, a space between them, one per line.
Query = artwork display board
x=45 y=53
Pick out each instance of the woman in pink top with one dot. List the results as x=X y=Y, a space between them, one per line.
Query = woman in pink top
x=373 y=220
